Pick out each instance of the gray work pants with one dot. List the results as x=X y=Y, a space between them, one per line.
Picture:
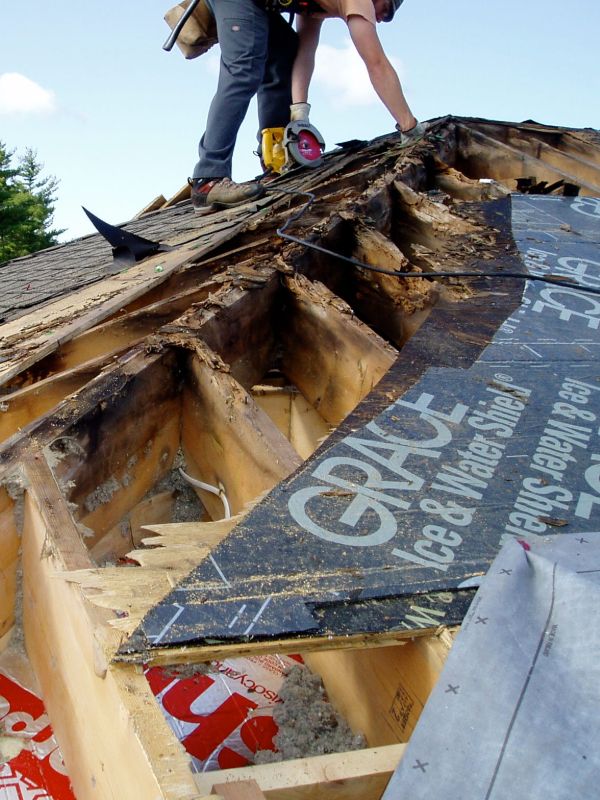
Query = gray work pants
x=257 y=54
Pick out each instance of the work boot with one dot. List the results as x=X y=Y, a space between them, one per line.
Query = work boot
x=200 y=189
x=209 y=194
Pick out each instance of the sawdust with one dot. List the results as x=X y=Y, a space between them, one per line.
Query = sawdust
x=183 y=671
x=308 y=723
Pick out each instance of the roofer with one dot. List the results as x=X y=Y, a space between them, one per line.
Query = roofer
x=258 y=51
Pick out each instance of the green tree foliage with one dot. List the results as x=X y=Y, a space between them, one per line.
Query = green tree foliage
x=26 y=205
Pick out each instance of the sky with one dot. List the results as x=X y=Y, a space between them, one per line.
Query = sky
x=116 y=119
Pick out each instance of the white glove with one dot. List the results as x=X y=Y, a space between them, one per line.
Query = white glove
x=299 y=112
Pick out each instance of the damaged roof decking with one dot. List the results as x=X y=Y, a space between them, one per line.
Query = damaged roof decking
x=333 y=582
x=416 y=500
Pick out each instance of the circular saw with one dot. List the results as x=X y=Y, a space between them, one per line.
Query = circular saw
x=298 y=144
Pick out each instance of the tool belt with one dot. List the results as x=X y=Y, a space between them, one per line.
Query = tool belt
x=199 y=33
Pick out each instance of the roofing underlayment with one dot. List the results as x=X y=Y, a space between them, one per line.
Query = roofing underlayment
x=384 y=369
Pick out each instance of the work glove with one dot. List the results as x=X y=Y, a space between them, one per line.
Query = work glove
x=299 y=112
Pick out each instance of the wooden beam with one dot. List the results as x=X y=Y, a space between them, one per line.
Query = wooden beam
x=333 y=358
x=44 y=331
x=295 y=417
x=180 y=195
x=227 y=439
x=399 y=681
x=9 y=560
x=238 y=324
x=23 y=406
x=394 y=307
x=238 y=790
x=123 y=331
x=358 y=775
x=153 y=205
x=123 y=441
x=113 y=737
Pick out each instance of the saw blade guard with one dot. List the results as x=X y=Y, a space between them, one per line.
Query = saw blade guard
x=304 y=144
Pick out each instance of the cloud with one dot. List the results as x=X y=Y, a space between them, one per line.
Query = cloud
x=20 y=95
x=342 y=73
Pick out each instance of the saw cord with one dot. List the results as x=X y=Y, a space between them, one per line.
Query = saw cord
x=522 y=276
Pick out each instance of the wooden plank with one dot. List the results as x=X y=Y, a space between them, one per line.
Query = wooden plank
x=358 y=775
x=239 y=325
x=180 y=195
x=133 y=471
x=110 y=730
x=394 y=307
x=22 y=406
x=294 y=416
x=127 y=439
x=334 y=359
x=238 y=790
x=123 y=331
x=153 y=205
x=228 y=440
x=382 y=691
x=9 y=560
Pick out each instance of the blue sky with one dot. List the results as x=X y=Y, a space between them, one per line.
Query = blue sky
x=117 y=120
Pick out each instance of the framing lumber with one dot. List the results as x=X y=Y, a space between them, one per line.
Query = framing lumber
x=295 y=417
x=25 y=405
x=82 y=697
x=238 y=790
x=358 y=775
x=238 y=324
x=333 y=358
x=398 y=681
x=227 y=440
x=394 y=307
x=122 y=332
x=10 y=544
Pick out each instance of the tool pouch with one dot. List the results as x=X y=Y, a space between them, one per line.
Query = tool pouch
x=200 y=31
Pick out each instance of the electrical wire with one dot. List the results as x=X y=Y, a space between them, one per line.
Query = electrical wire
x=522 y=276
x=218 y=490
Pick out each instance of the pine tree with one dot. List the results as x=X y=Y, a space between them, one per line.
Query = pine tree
x=26 y=205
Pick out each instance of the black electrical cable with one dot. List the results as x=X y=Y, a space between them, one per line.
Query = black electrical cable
x=523 y=276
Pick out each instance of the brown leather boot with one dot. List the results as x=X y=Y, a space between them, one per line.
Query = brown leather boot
x=210 y=194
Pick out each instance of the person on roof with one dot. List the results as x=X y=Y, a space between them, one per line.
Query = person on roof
x=261 y=55
x=361 y=16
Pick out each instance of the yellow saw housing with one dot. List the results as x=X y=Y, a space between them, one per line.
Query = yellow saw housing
x=273 y=151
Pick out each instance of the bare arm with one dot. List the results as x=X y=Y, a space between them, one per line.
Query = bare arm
x=382 y=74
x=308 y=29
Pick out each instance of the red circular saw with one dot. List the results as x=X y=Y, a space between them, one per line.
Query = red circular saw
x=304 y=144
